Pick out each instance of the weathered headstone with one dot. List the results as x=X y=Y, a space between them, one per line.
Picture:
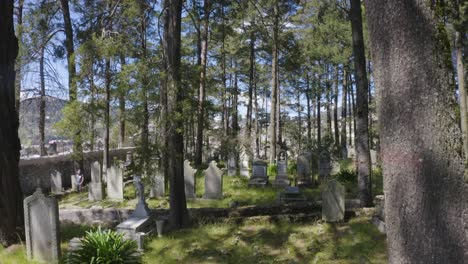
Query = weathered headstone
x=244 y=167
x=304 y=177
x=140 y=223
x=189 y=179
x=292 y=194
x=324 y=166
x=157 y=184
x=333 y=202
x=74 y=183
x=56 y=182
x=259 y=174
x=281 y=179
x=41 y=219
x=95 y=192
x=232 y=167
x=213 y=182
x=115 y=182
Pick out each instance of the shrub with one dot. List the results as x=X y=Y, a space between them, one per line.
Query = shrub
x=105 y=247
x=271 y=170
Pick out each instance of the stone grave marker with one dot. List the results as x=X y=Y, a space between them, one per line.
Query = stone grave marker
x=95 y=192
x=189 y=179
x=333 y=202
x=232 y=167
x=292 y=194
x=259 y=174
x=324 y=166
x=213 y=182
x=41 y=220
x=157 y=184
x=244 y=167
x=140 y=223
x=115 y=182
x=281 y=179
x=74 y=184
x=304 y=177
x=56 y=182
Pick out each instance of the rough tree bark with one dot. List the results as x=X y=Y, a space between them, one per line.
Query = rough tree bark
x=121 y=95
x=344 y=99
x=202 y=89
x=462 y=91
x=362 y=107
x=19 y=32
x=274 y=86
x=173 y=121
x=335 y=109
x=309 y=121
x=423 y=164
x=42 y=103
x=10 y=193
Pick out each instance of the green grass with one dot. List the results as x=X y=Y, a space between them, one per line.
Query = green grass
x=15 y=255
x=260 y=241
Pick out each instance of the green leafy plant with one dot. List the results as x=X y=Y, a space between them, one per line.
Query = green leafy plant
x=271 y=170
x=105 y=247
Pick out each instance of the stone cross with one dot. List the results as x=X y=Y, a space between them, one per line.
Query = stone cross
x=213 y=182
x=41 y=220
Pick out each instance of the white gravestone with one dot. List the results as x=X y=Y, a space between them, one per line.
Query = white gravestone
x=333 y=202
x=95 y=192
x=115 y=182
x=213 y=182
x=189 y=179
x=56 y=182
x=157 y=184
x=41 y=220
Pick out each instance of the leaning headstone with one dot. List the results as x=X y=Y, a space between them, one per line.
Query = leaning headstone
x=189 y=179
x=115 y=182
x=213 y=182
x=41 y=220
x=304 y=177
x=56 y=182
x=281 y=179
x=95 y=192
x=232 y=167
x=140 y=223
x=333 y=202
x=259 y=174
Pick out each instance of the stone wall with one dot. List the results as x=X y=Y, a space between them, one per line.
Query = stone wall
x=36 y=172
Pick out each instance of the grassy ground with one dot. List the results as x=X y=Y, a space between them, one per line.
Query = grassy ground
x=260 y=241
x=234 y=190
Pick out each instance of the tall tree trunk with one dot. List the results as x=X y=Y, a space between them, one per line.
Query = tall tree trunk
x=353 y=106
x=462 y=91
x=335 y=109
x=279 y=136
x=42 y=104
x=309 y=121
x=344 y=99
x=11 y=204
x=426 y=197
x=319 y=115
x=122 y=108
x=350 y=112
x=145 y=144
x=19 y=62
x=328 y=86
x=72 y=86
x=93 y=107
x=173 y=122
x=235 y=98
x=300 y=119
x=257 y=121
x=202 y=89
x=274 y=86
x=107 y=98
x=251 y=83
x=362 y=107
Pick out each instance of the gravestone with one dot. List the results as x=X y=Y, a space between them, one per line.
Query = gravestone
x=292 y=194
x=95 y=192
x=41 y=220
x=115 y=182
x=259 y=174
x=189 y=179
x=140 y=223
x=333 y=202
x=324 y=166
x=335 y=168
x=74 y=184
x=281 y=179
x=304 y=177
x=56 y=182
x=52 y=149
x=244 y=167
x=232 y=167
x=213 y=182
x=157 y=184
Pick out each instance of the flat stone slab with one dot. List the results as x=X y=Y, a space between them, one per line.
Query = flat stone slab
x=258 y=182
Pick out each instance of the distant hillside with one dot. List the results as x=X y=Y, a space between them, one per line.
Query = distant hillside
x=29 y=119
